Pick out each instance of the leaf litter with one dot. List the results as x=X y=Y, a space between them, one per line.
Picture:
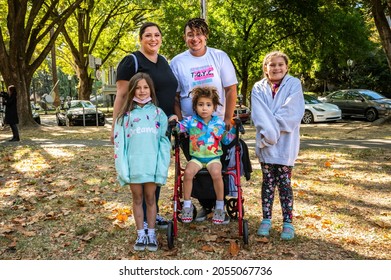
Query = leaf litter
x=70 y=195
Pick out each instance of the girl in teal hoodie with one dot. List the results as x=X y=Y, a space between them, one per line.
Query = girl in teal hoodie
x=142 y=153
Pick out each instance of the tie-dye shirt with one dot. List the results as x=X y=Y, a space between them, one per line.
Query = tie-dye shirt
x=206 y=138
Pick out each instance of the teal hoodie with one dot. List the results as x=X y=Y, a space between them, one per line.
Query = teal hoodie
x=141 y=147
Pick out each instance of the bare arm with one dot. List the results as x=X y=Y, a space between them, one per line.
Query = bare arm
x=230 y=102
x=177 y=106
x=122 y=89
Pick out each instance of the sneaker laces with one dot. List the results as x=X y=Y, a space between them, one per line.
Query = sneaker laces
x=160 y=218
x=141 y=239
x=152 y=239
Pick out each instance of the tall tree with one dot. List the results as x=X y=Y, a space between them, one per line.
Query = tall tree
x=248 y=29
x=380 y=10
x=96 y=28
x=27 y=31
x=307 y=30
x=172 y=16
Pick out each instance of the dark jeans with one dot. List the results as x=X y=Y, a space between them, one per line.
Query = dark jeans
x=157 y=194
x=15 y=131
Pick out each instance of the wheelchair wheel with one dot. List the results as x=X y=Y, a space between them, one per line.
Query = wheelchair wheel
x=245 y=232
x=232 y=208
x=179 y=212
x=170 y=235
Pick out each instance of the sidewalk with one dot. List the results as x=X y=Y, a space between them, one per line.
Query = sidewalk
x=304 y=143
x=50 y=120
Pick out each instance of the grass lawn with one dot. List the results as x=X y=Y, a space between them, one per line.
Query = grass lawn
x=63 y=202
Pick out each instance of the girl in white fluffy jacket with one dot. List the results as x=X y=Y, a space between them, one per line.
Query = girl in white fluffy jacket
x=277 y=109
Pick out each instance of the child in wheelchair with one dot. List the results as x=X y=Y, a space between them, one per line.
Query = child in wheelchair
x=206 y=133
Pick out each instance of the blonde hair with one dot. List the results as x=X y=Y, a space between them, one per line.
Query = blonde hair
x=129 y=104
x=208 y=92
x=269 y=57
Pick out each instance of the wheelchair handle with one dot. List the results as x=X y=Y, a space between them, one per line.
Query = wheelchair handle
x=170 y=127
x=239 y=126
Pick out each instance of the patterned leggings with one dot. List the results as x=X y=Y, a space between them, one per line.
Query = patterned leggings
x=275 y=175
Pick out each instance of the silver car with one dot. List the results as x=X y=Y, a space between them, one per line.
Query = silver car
x=79 y=112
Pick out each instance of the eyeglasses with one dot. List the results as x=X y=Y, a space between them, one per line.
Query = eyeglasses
x=193 y=35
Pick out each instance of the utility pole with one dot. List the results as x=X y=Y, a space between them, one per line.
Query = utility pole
x=203 y=9
x=54 y=73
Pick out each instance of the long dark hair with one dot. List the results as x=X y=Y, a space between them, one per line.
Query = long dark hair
x=129 y=104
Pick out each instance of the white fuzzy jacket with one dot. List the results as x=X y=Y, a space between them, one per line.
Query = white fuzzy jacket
x=277 y=120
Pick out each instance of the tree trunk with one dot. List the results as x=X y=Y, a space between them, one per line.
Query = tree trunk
x=22 y=84
x=244 y=88
x=379 y=14
x=17 y=74
x=85 y=83
x=28 y=25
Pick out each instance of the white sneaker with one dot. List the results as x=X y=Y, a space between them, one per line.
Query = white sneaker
x=152 y=243
x=141 y=243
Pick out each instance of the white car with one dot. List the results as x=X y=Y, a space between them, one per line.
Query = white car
x=317 y=111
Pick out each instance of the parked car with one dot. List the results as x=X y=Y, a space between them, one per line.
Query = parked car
x=360 y=102
x=76 y=112
x=242 y=112
x=317 y=111
x=103 y=100
x=36 y=115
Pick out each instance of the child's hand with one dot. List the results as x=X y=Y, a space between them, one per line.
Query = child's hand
x=173 y=118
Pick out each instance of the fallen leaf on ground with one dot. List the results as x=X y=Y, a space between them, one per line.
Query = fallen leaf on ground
x=171 y=253
x=28 y=233
x=210 y=237
x=6 y=229
x=119 y=224
x=89 y=236
x=262 y=239
x=234 y=248
x=315 y=216
x=381 y=224
x=207 y=248
x=60 y=233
